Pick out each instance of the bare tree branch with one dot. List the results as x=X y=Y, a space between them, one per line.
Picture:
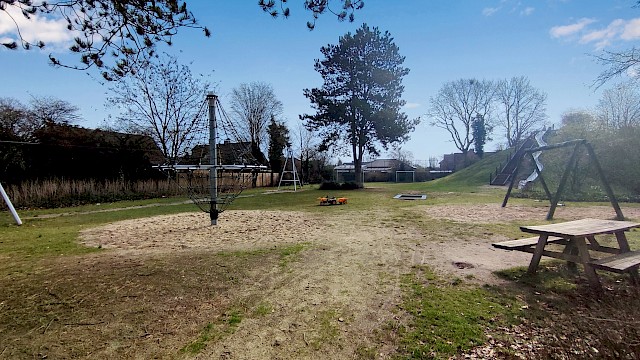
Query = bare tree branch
x=618 y=64
x=317 y=8
x=113 y=35
x=164 y=100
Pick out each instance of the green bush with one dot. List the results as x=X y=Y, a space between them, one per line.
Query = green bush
x=332 y=185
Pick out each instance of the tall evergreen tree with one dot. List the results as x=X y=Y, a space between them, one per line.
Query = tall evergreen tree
x=278 y=141
x=479 y=135
x=359 y=103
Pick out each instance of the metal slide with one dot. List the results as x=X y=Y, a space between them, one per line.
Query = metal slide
x=534 y=175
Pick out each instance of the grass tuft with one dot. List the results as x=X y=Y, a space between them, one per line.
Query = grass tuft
x=447 y=318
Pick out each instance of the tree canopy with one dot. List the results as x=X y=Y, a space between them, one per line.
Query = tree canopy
x=619 y=107
x=126 y=31
x=117 y=36
x=359 y=104
x=317 y=8
x=618 y=63
x=165 y=101
x=253 y=105
x=278 y=141
x=457 y=105
x=521 y=108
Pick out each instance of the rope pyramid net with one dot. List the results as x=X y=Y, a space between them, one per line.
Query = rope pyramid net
x=214 y=175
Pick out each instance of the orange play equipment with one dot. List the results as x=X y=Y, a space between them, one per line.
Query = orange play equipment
x=326 y=200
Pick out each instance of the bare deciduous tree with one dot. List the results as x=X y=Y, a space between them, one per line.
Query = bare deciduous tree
x=619 y=106
x=398 y=153
x=618 y=64
x=457 y=105
x=15 y=122
x=165 y=101
x=49 y=110
x=252 y=107
x=521 y=108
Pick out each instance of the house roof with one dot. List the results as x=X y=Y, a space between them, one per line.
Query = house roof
x=228 y=153
x=70 y=135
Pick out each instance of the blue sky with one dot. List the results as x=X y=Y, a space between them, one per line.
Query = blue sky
x=548 y=41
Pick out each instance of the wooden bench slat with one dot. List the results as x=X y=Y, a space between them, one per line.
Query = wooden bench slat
x=523 y=243
x=618 y=263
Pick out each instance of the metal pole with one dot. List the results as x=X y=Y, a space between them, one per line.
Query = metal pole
x=213 y=172
x=12 y=210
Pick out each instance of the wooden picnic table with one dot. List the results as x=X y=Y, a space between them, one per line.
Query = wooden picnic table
x=579 y=238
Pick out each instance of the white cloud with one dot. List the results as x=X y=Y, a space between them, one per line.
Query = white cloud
x=53 y=32
x=631 y=30
x=411 y=105
x=616 y=30
x=604 y=37
x=489 y=11
x=569 y=30
x=527 y=11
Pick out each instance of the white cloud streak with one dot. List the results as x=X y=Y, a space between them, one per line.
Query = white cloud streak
x=411 y=105
x=616 y=30
x=489 y=11
x=527 y=11
x=569 y=30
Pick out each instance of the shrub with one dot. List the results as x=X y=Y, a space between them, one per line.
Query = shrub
x=332 y=185
x=329 y=185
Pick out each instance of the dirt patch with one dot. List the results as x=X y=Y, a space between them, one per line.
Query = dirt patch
x=491 y=213
x=331 y=299
x=301 y=285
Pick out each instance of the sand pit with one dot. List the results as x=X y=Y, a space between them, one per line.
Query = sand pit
x=236 y=230
x=350 y=234
x=350 y=268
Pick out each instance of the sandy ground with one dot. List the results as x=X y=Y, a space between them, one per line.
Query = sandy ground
x=350 y=270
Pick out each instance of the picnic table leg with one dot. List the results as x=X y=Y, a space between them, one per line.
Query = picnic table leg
x=624 y=247
x=571 y=249
x=583 y=251
x=537 y=255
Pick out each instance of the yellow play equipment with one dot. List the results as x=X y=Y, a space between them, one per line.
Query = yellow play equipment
x=326 y=200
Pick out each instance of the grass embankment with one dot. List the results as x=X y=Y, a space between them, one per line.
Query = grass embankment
x=55 y=291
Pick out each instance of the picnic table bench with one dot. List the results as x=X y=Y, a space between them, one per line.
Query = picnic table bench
x=579 y=238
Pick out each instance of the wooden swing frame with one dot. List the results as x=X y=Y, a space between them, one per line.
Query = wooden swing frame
x=554 y=199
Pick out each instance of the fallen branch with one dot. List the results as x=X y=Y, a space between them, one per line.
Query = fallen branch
x=47 y=327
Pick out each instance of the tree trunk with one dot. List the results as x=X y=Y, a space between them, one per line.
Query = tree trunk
x=358 y=173
x=357 y=164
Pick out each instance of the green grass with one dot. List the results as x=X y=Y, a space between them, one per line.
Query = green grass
x=27 y=213
x=263 y=309
x=212 y=332
x=468 y=179
x=449 y=317
x=207 y=334
x=57 y=236
x=290 y=253
x=327 y=332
